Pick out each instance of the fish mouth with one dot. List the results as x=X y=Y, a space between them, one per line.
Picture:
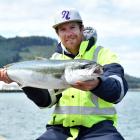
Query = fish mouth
x=98 y=70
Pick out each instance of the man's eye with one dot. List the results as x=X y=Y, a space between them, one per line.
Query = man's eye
x=62 y=30
x=73 y=27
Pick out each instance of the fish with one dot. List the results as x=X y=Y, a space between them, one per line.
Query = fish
x=53 y=74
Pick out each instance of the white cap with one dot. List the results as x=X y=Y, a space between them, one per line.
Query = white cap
x=64 y=16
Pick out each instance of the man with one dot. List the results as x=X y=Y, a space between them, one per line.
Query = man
x=86 y=110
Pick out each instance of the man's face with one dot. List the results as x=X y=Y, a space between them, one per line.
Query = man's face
x=71 y=36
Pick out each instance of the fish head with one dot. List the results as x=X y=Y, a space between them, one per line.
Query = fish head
x=91 y=67
x=83 y=72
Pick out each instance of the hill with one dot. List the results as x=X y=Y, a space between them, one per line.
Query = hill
x=133 y=82
x=27 y=48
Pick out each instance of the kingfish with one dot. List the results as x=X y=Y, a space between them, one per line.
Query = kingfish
x=53 y=74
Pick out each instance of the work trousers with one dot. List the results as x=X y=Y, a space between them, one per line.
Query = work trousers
x=101 y=131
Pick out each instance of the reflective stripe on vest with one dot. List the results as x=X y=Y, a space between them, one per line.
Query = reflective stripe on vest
x=95 y=57
x=111 y=110
x=122 y=86
x=84 y=110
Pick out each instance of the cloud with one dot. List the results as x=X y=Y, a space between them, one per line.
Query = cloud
x=95 y=13
x=129 y=58
x=125 y=4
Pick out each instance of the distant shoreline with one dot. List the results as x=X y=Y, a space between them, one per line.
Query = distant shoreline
x=13 y=91
x=134 y=89
x=10 y=91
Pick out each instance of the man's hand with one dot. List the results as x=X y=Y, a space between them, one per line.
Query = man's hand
x=86 y=85
x=4 y=77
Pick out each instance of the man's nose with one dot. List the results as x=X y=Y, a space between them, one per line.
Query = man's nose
x=69 y=33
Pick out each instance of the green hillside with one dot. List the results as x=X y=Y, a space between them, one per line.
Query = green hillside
x=133 y=82
x=25 y=48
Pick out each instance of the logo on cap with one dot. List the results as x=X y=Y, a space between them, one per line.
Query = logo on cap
x=65 y=14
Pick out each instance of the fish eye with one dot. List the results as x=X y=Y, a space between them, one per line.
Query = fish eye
x=85 y=66
x=98 y=71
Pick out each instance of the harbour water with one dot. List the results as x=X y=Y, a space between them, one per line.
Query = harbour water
x=21 y=119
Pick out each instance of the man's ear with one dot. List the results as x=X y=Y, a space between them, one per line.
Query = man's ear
x=82 y=28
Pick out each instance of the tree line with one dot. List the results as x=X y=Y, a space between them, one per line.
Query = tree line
x=25 y=48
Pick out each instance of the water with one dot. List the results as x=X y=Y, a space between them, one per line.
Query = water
x=21 y=119
x=129 y=116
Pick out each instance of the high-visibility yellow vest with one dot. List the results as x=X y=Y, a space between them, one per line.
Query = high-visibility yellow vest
x=77 y=107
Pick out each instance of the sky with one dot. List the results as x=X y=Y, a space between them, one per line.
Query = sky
x=117 y=23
